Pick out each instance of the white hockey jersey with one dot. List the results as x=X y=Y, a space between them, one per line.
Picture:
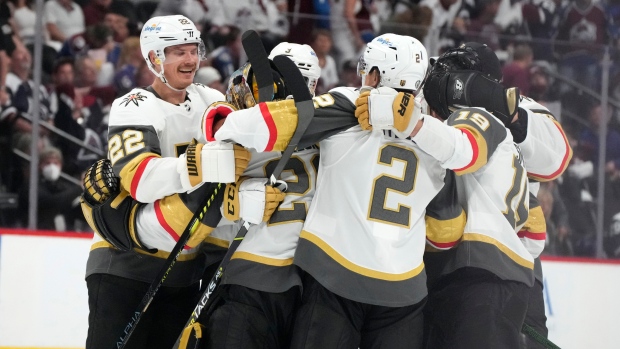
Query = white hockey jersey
x=146 y=136
x=492 y=188
x=264 y=259
x=364 y=236
x=546 y=154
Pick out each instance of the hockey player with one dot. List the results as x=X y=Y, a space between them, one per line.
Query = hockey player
x=261 y=288
x=480 y=299
x=379 y=279
x=164 y=178
x=304 y=57
x=546 y=154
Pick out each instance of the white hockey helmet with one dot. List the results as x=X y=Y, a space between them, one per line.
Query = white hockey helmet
x=304 y=57
x=401 y=60
x=165 y=31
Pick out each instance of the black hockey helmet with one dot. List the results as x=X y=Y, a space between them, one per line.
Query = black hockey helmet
x=471 y=56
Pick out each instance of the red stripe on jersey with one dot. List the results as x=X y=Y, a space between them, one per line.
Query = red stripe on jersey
x=474 y=146
x=271 y=125
x=136 y=177
x=532 y=236
x=564 y=160
x=162 y=221
x=442 y=245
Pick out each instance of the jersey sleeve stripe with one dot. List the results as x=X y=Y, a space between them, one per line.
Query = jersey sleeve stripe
x=532 y=235
x=173 y=215
x=441 y=245
x=273 y=131
x=479 y=148
x=283 y=116
x=568 y=154
x=142 y=161
x=445 y=233
x=162 y=221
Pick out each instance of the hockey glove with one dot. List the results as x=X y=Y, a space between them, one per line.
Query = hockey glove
x=387 y=109
x=213 y=117
x=474 y=89
x=215 y=162
x=251 y=200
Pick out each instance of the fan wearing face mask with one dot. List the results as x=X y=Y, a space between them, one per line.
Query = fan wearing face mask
x=57 y=198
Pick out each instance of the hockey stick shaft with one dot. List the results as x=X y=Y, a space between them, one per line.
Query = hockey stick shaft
x=539 y=338
x=191 y=227
x=305 y=110
x=259 y=61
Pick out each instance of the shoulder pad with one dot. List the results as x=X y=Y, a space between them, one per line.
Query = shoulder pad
x=124 y=110
x=529 y=103
x=351 y=93
x=208 y=94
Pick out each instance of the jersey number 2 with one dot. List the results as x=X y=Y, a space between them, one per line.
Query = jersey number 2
x=385 y=183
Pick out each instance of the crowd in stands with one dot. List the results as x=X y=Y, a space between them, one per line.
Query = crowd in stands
x=91 y=55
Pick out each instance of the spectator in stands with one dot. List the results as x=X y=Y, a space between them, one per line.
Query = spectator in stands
x=481 y=25
x=414 y=20
x=301 y=18
x=225 y=58
x=322 y=45
x=556 y=217
x=100 y=50
x=63 y=19
x=95 y=11
x=121 y=18
x=129 y=63
x=57 y=199
x=541 y=19
x=21 y=89
x=444 y=19
x=581 y=34
x=348 y=75
x=540 y=83
x=8 y=42
x=348 y=41
x=209 y=76
x=589 y=140
x=517 y=72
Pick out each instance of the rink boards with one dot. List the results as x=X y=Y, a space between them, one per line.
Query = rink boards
x=44 y=301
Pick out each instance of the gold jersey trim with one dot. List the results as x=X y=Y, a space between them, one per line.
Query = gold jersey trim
x=503 y=248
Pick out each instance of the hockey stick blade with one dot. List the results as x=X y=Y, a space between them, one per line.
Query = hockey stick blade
x=305 y=110
x=259 y=60
x=191 y=227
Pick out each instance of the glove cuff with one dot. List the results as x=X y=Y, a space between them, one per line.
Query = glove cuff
x=214 y=113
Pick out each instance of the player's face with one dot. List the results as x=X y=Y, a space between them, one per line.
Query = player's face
x=181 y=64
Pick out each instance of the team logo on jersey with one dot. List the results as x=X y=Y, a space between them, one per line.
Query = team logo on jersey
x=134 y=97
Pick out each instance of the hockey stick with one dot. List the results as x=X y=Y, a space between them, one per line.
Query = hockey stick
x=259 y=60
x=539 y=338
x=305 y=110
x=193 y=224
